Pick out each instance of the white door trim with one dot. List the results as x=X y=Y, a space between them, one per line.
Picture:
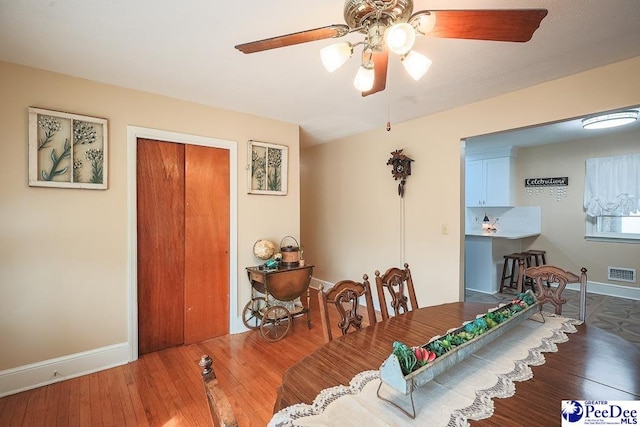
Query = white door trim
x=133 y=133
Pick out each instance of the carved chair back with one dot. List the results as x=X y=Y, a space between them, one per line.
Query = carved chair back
x=345 y=296
x=397 y=283
x=219 y=406
x=550 y=274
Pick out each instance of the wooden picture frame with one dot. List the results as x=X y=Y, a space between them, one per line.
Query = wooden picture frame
x=267 y=171
x=67 y=150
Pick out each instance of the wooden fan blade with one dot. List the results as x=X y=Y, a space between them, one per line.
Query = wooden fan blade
x=507 y=25
x=327 y=32
x=380 y=63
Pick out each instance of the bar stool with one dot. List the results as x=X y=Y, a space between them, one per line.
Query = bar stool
x=512 y=275
x=536 y=256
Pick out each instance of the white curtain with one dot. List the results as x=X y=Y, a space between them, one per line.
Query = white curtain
x=611 y=185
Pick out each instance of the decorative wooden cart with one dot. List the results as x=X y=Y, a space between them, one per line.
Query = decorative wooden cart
x=275 y=299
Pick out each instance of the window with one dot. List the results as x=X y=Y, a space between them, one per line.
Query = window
x=619 y=224
x=609 y=227
x=611 y=198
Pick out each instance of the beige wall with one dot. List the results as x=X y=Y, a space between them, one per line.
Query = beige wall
x=63 y=263
x=352 y=216
x=563 y=221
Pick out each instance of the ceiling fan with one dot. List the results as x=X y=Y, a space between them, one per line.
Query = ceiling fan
x=391 y=25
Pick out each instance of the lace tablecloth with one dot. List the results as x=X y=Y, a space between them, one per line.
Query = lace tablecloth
x=462 y=393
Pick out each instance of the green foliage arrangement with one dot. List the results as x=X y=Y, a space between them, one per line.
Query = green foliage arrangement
x=412 y=358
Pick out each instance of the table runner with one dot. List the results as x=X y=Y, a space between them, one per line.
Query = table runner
x=462 y=393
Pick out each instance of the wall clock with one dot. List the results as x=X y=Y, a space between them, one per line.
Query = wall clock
x=400 y=169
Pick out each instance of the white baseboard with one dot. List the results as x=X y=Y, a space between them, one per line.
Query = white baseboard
x=315 y=284
x=480 y=291
x=50 y=371
x=608 y=289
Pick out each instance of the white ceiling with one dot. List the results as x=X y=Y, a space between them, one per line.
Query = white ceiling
x=184 y=49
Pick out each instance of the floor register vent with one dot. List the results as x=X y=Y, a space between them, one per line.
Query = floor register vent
x=621 y=274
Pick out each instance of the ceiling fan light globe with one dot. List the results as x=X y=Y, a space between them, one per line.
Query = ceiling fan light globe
x=425 y=23
x=364 y=79
x=335 y=55
x=400 y=38
x=416 y=64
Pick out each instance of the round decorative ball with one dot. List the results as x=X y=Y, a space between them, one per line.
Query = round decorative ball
x=264 y=249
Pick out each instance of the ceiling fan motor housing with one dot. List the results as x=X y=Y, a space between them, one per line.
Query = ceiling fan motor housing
x=362 y=13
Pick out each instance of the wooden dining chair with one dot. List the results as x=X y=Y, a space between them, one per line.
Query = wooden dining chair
x=345 y=296
x=219 y=406
x=545 y=275
x=397 y=282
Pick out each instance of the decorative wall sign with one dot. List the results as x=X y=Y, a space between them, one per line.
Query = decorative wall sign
x=400 y=168
x=67 y=150
x=546 y=182
x=267 y=168
x=557 y=186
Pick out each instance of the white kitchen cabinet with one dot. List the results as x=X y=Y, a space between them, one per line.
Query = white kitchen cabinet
x=489 y=182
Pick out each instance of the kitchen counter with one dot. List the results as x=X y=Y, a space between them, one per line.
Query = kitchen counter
x=502 y=234
x=484 y=257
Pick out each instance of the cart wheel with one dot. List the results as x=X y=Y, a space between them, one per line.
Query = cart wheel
x=276 y=322
x=252 y=312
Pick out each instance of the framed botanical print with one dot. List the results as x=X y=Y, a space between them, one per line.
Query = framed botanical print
x=67 y=150
x=267 y=168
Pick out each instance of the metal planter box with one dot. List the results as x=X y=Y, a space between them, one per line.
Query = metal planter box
x=391 y=373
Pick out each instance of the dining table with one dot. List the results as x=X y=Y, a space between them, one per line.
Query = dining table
x=592 y=365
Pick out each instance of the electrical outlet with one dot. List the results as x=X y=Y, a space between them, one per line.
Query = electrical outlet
x=445 y=229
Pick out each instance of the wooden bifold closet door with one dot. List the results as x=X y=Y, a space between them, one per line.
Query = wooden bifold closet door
x=183 y=243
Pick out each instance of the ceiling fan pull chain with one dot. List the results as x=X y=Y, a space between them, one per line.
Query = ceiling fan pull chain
x=388 y=108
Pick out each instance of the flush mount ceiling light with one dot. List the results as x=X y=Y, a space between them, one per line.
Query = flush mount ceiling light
x=610 y=120
x=392 y=26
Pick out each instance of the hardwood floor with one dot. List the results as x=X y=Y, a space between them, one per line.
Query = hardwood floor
x=165 y=388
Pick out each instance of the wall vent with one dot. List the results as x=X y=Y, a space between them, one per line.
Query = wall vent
x=621 y=274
